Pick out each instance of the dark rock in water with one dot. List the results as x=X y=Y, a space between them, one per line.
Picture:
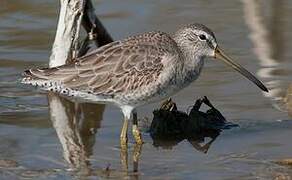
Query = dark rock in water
x=170 y=126
x=211 y=119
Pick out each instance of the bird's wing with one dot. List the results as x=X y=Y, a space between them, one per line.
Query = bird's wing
x=115 y=68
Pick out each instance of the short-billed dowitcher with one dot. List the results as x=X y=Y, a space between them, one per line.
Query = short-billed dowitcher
x=135 y=71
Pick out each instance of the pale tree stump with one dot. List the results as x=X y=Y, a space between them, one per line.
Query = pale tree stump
x=75 y=124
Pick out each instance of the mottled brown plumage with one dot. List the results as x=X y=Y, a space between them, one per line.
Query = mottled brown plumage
x=135 y=71
x=116 y=68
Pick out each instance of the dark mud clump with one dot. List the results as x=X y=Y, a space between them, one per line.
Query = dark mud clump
x=172 y=126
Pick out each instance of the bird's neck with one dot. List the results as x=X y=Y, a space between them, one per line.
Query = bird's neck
x=193 y=62
x=193 y=59
x=192 y=67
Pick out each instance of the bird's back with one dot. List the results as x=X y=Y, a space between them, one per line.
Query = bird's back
x=128 y=71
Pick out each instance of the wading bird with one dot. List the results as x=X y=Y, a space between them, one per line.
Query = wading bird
x=135 y=71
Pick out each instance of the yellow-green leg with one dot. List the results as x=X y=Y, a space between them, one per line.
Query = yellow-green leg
x=136 y=156
x=135 y=129
x=124 y=157
x=124 y=133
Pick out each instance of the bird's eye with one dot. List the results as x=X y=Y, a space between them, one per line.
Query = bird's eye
x=202 y=37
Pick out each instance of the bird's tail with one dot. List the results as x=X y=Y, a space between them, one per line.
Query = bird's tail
x=41 y=78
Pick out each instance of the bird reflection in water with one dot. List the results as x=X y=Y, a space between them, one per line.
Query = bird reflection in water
x=170 y=126
x=76 y=125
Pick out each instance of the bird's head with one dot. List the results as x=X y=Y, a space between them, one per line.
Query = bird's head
x=198 y=40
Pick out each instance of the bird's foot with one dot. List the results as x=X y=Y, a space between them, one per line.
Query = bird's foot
x=168 y=105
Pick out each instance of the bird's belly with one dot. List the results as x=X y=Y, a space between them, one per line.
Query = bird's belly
x=150 y=95
x=174 y=87
x=162 y=89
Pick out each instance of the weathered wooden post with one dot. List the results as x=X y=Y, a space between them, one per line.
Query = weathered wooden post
x=73 y=13
x=65 y=115
x=69 y=118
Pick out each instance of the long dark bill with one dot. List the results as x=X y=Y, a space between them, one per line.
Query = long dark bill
x=222 y=56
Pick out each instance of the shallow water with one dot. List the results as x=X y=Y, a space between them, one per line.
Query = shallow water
x=35 y=144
